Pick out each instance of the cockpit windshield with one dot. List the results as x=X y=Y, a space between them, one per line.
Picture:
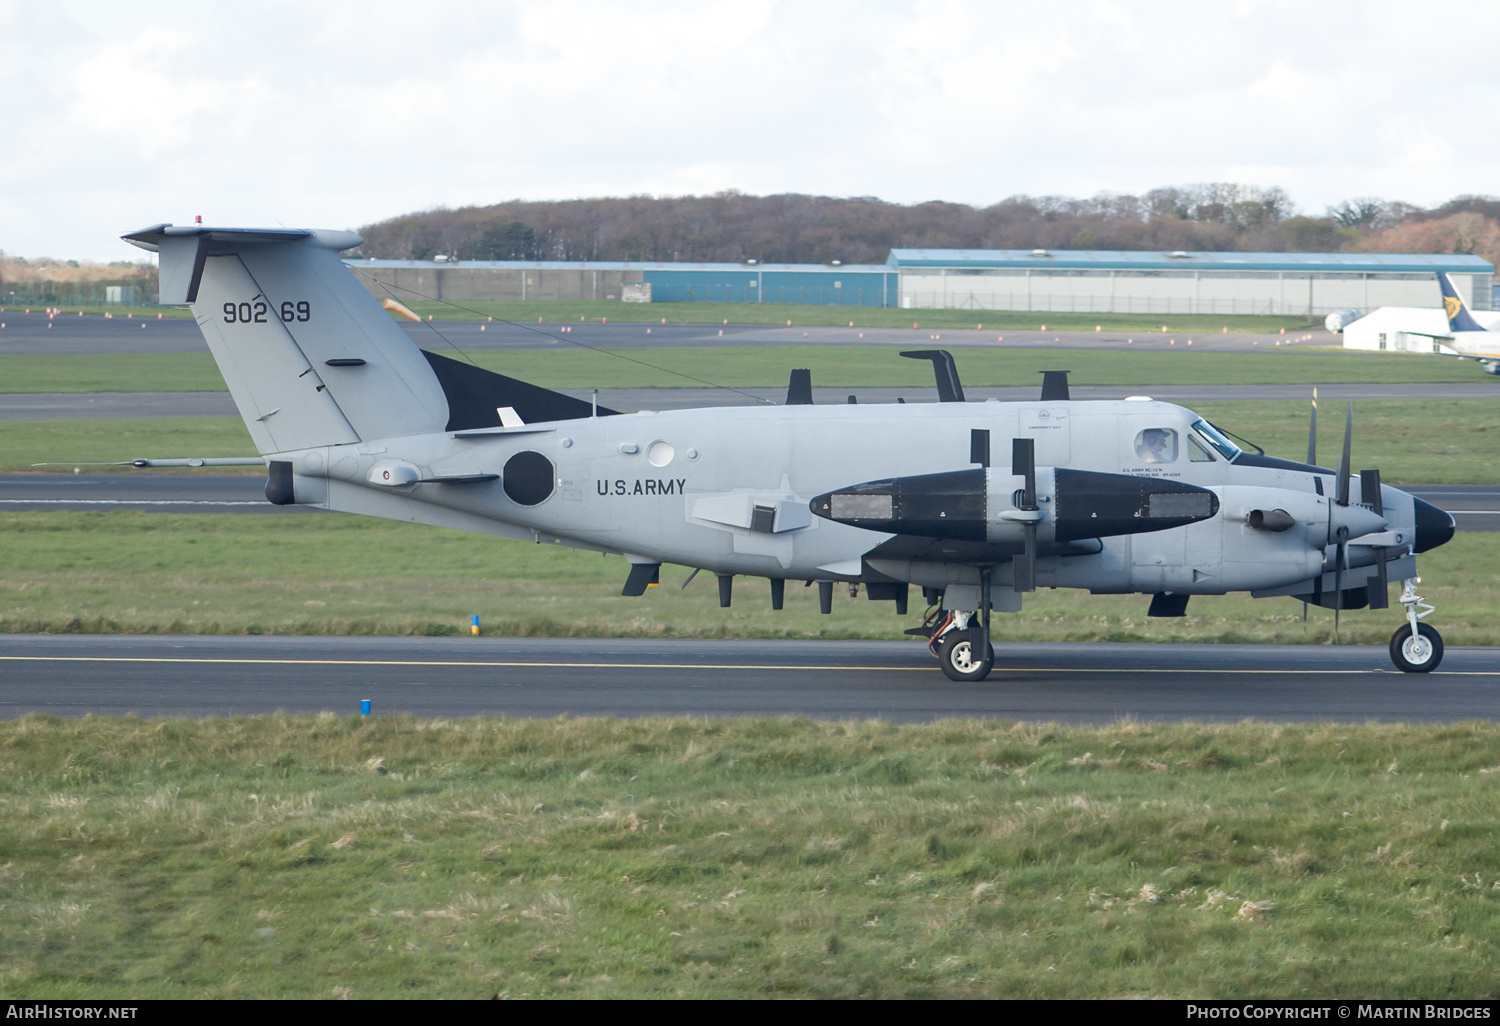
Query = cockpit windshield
x=1215 y=438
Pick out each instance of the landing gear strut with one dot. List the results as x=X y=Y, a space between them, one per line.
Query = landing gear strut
x=1416 y=647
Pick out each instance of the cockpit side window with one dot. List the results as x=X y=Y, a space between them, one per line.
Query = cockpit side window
x=1196 y=452
x=1156 y=445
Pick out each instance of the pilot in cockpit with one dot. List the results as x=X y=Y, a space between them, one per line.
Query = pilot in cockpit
x=1156 y=445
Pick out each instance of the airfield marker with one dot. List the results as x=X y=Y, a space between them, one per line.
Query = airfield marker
x=364 y=707
x=1173 y=342
x=1190 y=341
x=1098 y=328
x=474 y=626
x=481 y=327
x=1226 y=329
x=1044 y=327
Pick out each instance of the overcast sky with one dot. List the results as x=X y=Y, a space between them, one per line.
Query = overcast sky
x=330 y=114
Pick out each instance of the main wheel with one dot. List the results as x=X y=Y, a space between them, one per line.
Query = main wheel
x=957 y=655
x=1417 y=655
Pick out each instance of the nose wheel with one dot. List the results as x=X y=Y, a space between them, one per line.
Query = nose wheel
x=1417 y=647
x=959 y=656
x=1417 y=653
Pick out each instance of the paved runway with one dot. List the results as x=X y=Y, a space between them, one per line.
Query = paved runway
x=1475 y=507
x=538 y=677
x=73 y=334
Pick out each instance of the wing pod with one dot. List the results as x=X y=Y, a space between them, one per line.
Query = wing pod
x=986 y=505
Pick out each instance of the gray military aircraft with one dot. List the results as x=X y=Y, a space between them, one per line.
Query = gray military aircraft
x=975 y=503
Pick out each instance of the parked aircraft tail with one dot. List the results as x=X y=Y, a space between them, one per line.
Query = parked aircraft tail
x=1459 y=318
x=308 y=354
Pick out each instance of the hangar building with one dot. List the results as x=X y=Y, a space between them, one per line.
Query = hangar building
x=1066 y=281
x=1125 y=281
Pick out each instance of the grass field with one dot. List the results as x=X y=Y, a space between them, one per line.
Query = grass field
x=808 y=316
x=1426 y=440
x=768 y=367
x=125 y=572
x=319 y=857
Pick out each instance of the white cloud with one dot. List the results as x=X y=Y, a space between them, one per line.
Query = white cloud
x=338 y=113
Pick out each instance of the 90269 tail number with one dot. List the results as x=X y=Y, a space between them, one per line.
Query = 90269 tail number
x=255 y=312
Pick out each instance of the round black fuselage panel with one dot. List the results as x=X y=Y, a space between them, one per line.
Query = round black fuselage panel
x=528 y=478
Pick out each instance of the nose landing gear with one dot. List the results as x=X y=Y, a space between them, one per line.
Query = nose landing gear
x=1417 y=647
x=957 y=640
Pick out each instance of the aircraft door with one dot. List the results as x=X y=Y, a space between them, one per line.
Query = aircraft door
x=1051 y=428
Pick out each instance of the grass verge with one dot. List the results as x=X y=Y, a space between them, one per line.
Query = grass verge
x=767 y=366
x=317 y=856
x=125 y=572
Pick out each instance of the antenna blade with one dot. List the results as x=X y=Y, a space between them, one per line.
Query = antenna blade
x=1312 y=432
x=799 y=388
x=1343 y=484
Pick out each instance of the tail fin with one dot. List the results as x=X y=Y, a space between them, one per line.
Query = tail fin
x=1458 y=314
x=308 y=354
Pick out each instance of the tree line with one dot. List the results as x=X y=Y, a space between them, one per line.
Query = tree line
x=732 y=227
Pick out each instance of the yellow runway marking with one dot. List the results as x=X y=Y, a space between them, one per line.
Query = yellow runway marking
x=501 y=664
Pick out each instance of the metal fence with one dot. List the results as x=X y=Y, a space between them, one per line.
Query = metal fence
x=69 y=293
x=820 y=295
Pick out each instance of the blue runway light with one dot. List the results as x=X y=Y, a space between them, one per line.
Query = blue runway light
x=364 y=707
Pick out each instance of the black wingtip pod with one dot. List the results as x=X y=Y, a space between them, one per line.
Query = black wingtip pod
x=946 y=505
x=1091 y=504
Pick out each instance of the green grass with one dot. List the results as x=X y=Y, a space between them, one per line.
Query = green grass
x=74 y=442
x=317 y=856
x=1421 y=440
x=126 y=572
x=807 y=316
x=111 y=372
x=768 y=366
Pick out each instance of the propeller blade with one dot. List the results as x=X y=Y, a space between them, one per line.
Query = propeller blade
x=1023 y=465
x=1369 y=494
x=1312 y=432
x=1338 y=577
x=1369 y=491
x=1344 y=459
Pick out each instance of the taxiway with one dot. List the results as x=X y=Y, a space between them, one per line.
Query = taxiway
x=538 y=677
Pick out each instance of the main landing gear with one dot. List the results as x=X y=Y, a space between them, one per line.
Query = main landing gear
x=1417 y=647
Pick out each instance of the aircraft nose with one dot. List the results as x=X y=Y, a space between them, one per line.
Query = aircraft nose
x=1434 y=526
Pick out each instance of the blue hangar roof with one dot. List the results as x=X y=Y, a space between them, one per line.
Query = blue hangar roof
x=1156 y=260
x=620 y=265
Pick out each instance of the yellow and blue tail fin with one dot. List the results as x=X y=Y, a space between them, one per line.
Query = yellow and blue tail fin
x=1459 y=318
